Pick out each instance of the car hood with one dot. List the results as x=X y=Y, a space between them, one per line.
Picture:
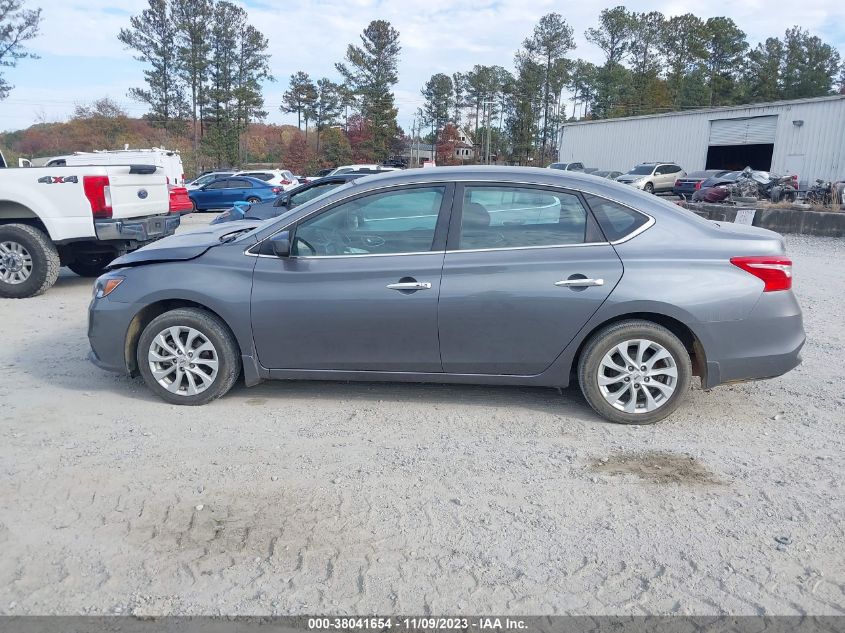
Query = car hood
x=183 y=246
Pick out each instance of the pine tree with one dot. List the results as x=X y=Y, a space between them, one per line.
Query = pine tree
x=439 y=100
x=370 y=72
x=551 y=41
x=299 y=97
x=152 y=34
x=17 y=25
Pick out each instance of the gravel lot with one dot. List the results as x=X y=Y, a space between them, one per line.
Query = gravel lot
x=370 y=498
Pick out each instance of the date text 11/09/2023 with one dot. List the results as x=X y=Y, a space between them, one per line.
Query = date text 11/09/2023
x=415 y=624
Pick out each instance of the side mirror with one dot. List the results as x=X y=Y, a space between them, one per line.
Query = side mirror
x=280 y=244
x=282 y=201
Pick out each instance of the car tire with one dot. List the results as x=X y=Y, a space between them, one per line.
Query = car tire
x=205 y=343
x=658 y=349
x=92 y=265
x=253 y=200
x=29 y=261
x=649 y=188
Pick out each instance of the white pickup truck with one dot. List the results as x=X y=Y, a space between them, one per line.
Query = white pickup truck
x=81 y=217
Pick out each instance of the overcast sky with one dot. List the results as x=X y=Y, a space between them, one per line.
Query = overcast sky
x=82 y=60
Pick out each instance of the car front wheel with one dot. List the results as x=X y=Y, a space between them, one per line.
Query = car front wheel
x=634 y=372
x=188 y=356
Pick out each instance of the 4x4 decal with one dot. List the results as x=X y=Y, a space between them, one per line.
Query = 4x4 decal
x=52 y=180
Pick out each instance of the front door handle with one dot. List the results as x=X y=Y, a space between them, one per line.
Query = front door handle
x=579 y=282
x=410 y=285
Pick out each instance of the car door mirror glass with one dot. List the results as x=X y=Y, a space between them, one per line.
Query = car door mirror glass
x=282 y=201
x=280 y=243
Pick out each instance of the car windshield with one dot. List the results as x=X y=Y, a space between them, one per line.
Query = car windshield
x=642 y=170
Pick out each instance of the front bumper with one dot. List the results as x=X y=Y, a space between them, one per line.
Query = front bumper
x=108 y=326
x=639 y=184
x=141 y=230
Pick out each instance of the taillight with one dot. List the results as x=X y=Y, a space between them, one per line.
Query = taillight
x=98 y=192
x=677 y=183
x=286 y=181
x=775 y=271
x=698 y=184
x=277 y=190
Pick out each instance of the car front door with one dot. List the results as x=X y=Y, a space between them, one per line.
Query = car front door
x=209 y=196
x=359 y=290
x=515 y=293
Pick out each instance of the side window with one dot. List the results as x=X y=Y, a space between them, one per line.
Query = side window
x=675 y=169
x=615 y=220
x=508 y=217
x=313 y=192
x=240 y=184
x=381 y=223
x=219 y=184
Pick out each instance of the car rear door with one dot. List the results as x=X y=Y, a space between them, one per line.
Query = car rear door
x=359 y=291
x=515 y=293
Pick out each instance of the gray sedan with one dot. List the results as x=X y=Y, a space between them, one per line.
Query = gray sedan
x=509 y=276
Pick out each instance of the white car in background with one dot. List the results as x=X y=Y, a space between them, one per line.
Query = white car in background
x=348 y=169
x=198 y=182
x=277 y=177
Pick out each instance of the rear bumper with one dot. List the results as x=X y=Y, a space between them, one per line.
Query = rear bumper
x=766 y=344
x=141 y=230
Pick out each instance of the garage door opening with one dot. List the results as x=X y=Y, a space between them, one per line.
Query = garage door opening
x=737 y=157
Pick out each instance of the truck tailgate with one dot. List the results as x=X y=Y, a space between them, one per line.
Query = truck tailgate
x=139 y=194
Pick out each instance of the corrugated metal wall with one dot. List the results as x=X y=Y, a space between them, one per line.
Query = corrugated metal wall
x=815 y=149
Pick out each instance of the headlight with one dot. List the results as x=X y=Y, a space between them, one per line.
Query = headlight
x=106 y=285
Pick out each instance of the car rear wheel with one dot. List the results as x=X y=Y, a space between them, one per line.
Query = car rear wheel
x=188 y=356
x=634 y=372
x=253 y=200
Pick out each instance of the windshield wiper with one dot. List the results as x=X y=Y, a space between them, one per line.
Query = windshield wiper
x=228 y=237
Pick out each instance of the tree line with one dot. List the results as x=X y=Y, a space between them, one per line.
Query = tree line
x=204 y=65
x=652 y=63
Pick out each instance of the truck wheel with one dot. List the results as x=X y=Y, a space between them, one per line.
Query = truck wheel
x=29 y=261
x=92 y=265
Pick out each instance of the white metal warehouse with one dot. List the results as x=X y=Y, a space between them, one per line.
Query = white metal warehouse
x=804 y=137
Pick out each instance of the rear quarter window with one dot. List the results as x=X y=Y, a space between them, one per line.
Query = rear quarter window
x=616 y=221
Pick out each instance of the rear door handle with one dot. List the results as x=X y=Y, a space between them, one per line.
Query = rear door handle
x=410 y=285
x=579 y=283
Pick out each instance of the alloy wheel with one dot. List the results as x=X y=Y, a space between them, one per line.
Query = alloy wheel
x=15 y=263
x=183 y=360
x=637 y=376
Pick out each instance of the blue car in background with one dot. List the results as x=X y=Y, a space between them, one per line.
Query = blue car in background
x=225 y=192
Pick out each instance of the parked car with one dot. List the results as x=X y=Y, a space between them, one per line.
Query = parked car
x=81 y=217
x=206 y=178
x=278 y=177
x=364 y=167
x=692 y=182
x=224 y=192
x=567 y=166
x=284 y=202
x=610 y=175
x=424 y=276
x=180 y=202
x=653 y=177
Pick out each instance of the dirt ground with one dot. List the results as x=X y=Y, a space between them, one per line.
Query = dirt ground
x=293 y=498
